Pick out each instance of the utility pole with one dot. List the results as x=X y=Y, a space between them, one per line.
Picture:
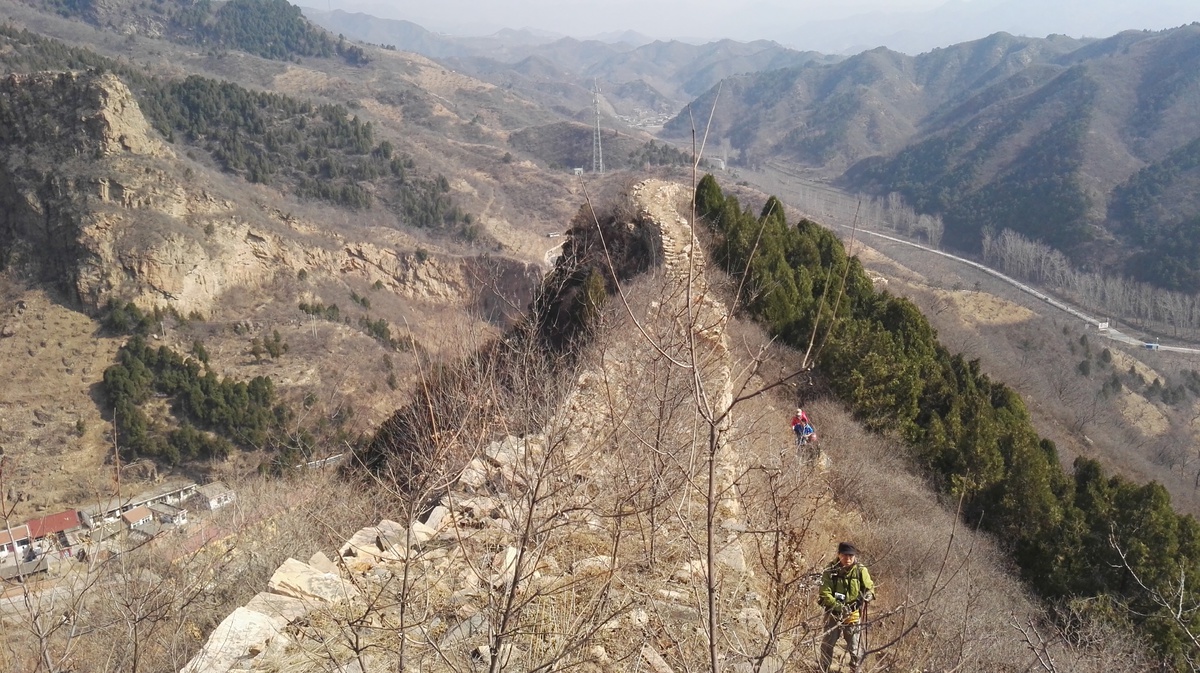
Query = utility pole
x=597 y=153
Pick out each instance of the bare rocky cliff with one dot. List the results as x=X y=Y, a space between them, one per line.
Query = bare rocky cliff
x=99 y=206
x=94 y=202
x=66 y=138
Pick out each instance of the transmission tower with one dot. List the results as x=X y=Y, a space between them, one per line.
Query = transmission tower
x=597 y=152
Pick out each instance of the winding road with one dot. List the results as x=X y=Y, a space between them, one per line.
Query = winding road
x=1110 y=333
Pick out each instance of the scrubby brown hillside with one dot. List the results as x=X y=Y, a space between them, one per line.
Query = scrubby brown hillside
x=609 y=485
x=100 y=205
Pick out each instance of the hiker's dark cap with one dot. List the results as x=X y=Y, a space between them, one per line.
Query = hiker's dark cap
x=847 y=548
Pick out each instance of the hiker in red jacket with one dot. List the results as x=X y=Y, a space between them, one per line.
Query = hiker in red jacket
x=801 y=426
x=799 y=420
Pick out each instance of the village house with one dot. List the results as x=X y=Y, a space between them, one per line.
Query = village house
x=138 y=516
x=172 y=493
x=55 y=532
x=14 y=540
x=105 y=512
x=213 y=496
x=169 y=514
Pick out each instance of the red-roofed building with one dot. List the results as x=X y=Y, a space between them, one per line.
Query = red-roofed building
x=53 y=531
x=53 y=525
x=14 y=540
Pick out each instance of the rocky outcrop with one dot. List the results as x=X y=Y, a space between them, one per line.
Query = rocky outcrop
x=245 y=634
x=57 y=116
x=89 y=182
x=93 y=201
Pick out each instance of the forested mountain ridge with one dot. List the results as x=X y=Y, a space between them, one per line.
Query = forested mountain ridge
x=874 y=102
x=1091 y=154
x=269 y=28
x=1085 y=145
x=1067 y=530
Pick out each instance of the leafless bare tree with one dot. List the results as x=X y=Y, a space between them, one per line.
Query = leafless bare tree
x=1174 y=600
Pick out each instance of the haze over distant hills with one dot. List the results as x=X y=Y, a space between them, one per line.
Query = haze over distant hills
x=960 y=132
x=911 y=27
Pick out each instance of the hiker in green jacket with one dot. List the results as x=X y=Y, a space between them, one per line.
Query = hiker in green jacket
x=845 y=587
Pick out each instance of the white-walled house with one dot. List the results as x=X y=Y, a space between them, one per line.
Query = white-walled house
x=14 y=540
x=172 y=493
x=138 y=516
x=213 y=496
x=171 y=514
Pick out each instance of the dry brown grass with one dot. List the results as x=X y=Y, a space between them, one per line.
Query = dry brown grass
x=149 y=609
x=52 y=366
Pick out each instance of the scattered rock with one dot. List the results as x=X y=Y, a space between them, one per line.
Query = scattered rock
x=239 y=636
x=278 y=605
x=689 y=571
x=479 y=507
x=471 y=626
x=732 y=558
x=752 y=619
x=421 y=533
x=483 y=653
x=300 y=580
x=437 y=517
x=593 y=565
x=384 y=541
x=654 y=660
x=474 y=476
x=505 y=565
x=321 y=562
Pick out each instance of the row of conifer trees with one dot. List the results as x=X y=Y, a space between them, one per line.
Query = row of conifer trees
x=1066 y=531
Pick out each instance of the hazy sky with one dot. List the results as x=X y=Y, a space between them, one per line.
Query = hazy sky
x=809 y=24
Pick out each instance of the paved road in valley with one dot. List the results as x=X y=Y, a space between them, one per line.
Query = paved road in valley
x=1114 y=334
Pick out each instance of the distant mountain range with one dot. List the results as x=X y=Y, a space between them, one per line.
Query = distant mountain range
x=1089 y=145
x=807 y=28
x=1092 y=146
x=915 y=32
x=673 y=71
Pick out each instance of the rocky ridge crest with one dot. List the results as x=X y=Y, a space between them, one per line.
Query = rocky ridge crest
x=442 y=588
